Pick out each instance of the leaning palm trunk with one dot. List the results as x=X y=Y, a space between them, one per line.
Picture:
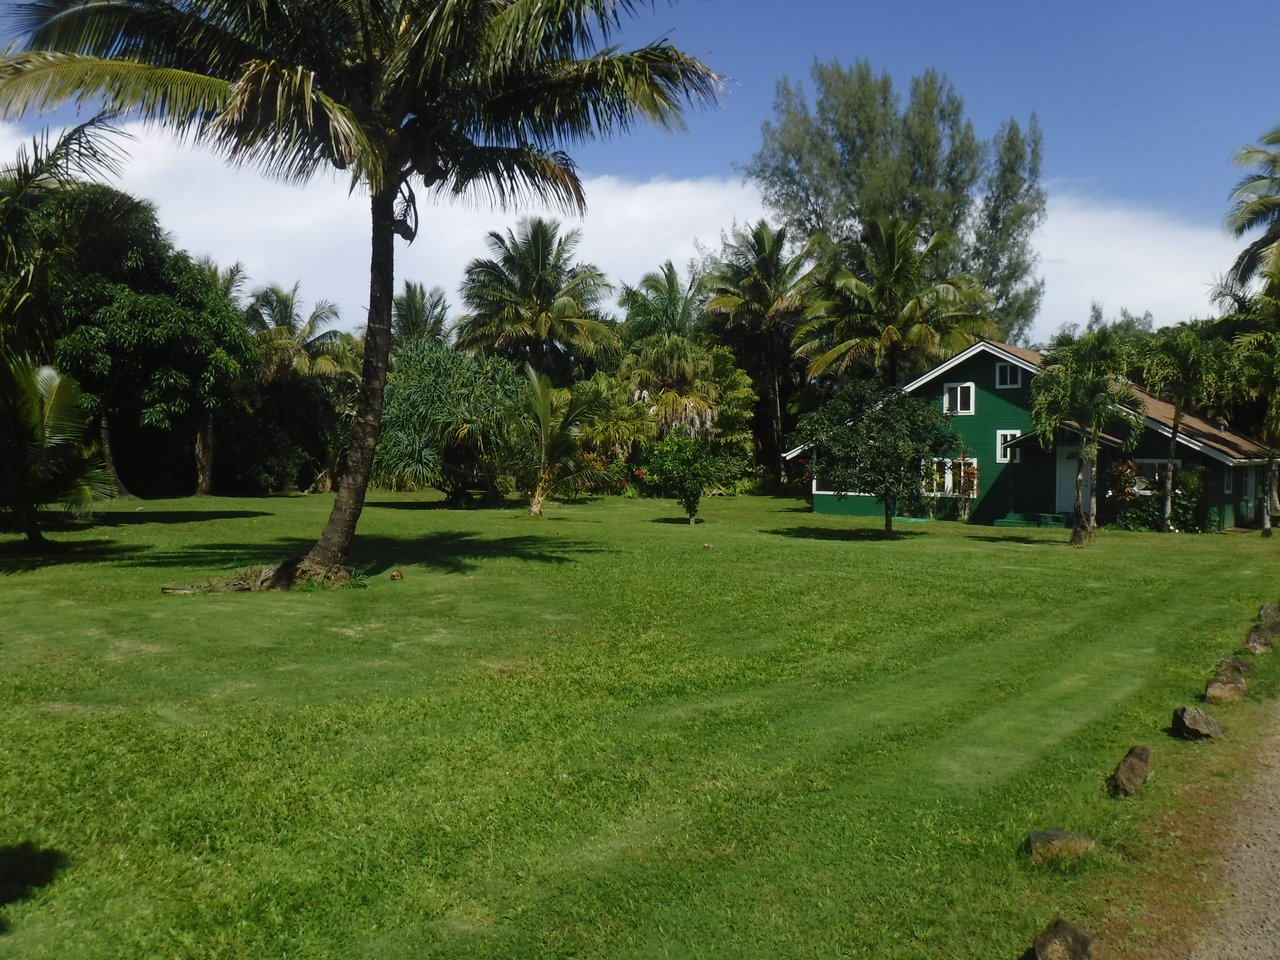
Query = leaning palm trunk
x=539 y=496
x=330 y=551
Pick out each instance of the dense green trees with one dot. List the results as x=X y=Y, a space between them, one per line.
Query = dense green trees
x=465 y=96
x=856 y=152
x=758 y=294
x=448 y=421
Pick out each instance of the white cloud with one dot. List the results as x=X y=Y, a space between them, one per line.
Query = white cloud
x=1126 y=256
x=318 y=233
x=1120 y=255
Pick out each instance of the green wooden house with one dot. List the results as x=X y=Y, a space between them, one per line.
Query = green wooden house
x=1006 y=477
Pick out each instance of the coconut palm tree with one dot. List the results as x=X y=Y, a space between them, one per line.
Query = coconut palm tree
x=549 y=440
x=531 y=302
x=44 y=457
x=758 y=297
x=675 y=378
x=1257 y=363
x=445 y=97
x=418 y=314
x=1180 y=366
x=289 y=342
x=882 y=306
x=1255 y=204
x=660 y=303
x=1082 y=387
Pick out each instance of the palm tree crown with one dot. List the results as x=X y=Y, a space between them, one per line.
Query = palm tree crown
x=1255 y=204
x=882 y=307
x=532 y=303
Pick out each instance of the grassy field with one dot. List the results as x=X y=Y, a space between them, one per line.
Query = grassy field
x=591 y=736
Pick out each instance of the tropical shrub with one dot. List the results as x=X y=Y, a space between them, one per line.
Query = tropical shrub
x=1190 y=506
x=448 y=422
x=44 y=458
x=684 y=467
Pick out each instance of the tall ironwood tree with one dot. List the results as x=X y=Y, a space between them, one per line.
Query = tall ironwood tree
x=853 y=150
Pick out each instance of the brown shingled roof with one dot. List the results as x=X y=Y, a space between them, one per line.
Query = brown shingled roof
x=1195 y=430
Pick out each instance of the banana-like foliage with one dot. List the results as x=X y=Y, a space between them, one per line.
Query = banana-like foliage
x=44 y=457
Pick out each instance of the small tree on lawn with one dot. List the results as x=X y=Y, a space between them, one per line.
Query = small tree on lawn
x=877 y=440
x=685 y=466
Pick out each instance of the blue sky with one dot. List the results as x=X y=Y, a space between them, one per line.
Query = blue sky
x=1142 y=107
x=1138 y=101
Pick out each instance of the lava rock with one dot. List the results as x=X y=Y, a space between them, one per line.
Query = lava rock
x=1061 y=940
x=1234 y=667
x=1192 y=724
x=1268 y=612
x=1259 y=639
x=1222 y=689
x=1130 y=773
x=1063 y=846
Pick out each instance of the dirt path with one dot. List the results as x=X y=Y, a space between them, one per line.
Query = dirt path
x=1249 y=929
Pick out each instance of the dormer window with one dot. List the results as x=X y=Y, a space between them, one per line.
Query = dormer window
x=957 y=398
x=1008 y=376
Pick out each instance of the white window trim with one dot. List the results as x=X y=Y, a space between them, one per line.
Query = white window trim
x=973 y=399
x=1003 y=453
x=1014 y=370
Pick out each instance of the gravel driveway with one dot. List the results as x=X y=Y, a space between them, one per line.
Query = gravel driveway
x=1250 y=927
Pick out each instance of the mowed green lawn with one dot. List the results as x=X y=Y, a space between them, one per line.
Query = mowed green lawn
x=591 y=736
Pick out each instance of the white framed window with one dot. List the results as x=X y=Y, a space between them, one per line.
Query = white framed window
x=952 y=478
x=1228 y=480
x=1150 y=477
x=1008 y=376
x=1003 y=453
x=957 y=398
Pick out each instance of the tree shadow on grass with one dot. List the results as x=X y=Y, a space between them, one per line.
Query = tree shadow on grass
x=221 y=556
x=840 y=535
x=15 y=557
x=458 y=552
x=1018 y=538
x=25 y=868
x=417 y=505
x=122 y=518
x=678 y=521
